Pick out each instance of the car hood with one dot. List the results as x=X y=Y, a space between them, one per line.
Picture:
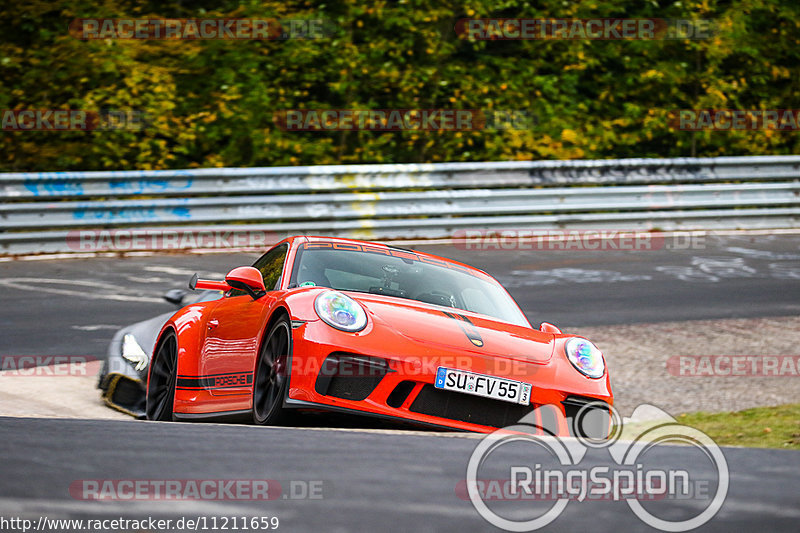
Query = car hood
x=458 y=329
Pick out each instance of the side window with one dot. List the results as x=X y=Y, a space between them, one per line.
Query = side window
x=271 y=266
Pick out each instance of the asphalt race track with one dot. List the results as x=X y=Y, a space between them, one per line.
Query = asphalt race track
x=369 y=481
x=373 y=480
x=81 y=302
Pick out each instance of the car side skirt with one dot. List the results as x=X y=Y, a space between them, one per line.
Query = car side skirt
x=242 y=417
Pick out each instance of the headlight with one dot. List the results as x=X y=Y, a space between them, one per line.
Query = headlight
x=340 y=311
x=133 y=352
x=585 y=357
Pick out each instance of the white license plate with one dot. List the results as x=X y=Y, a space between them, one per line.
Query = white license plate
x=493 y=387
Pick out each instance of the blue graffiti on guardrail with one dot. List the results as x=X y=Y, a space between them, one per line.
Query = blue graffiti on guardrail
x=145 y=185
x=57 y=187
x=62 y=186
x=131 y=215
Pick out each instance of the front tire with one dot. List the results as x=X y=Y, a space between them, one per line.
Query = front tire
x=272 y=375
x=161 y=385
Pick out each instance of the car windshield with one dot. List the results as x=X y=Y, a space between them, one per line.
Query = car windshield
x=403 y=274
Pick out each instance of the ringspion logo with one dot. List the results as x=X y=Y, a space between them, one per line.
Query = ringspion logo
x=528 y=464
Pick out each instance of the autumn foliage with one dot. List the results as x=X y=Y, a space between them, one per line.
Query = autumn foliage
x=213 y=103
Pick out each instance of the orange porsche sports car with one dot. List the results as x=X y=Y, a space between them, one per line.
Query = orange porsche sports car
x=332 y=324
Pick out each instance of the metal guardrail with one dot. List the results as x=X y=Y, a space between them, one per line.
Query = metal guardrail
x=39 y=210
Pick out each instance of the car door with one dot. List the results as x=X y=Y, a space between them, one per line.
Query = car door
x=234 y=330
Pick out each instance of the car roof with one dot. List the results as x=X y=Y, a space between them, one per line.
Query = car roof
x=318 y=238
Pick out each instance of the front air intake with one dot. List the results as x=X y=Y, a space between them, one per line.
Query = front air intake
x=467 y=408
x=350 y=376
x=587 y=417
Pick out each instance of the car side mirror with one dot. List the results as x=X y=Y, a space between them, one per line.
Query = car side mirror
x=247 y=279
x=175 y=296
x=547 y=327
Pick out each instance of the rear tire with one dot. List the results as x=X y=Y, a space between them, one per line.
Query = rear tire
x=272 y=375
x=161 y=385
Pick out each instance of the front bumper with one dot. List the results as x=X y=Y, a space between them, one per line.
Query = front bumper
x=394 y=378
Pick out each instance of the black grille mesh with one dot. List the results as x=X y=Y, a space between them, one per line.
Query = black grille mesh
x=467 y=408
x=350 y=376
x=400 y=393
x=352 y=388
